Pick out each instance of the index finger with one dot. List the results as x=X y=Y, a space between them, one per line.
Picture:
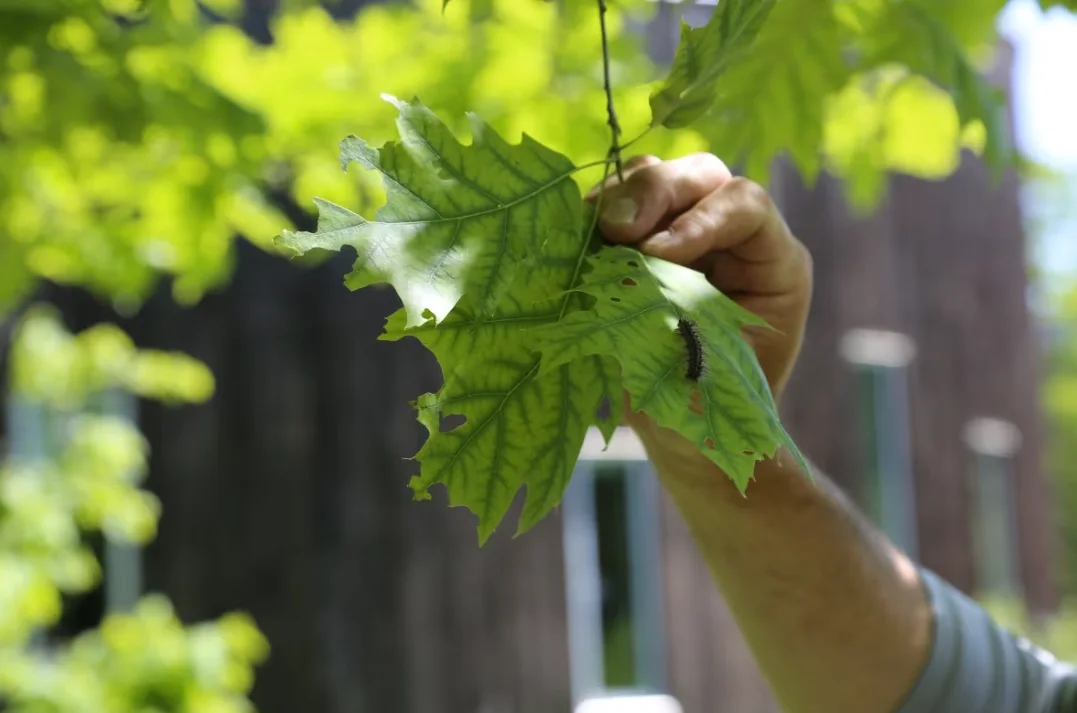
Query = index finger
x=630 y=166
x=739 y=217
x=657 y=193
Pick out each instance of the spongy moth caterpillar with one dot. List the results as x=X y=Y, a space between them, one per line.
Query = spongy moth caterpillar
x=693 y=346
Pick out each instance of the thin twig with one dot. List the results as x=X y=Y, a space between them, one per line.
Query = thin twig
x=615 y=125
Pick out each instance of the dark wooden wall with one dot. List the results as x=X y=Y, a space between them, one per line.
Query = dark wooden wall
x=286 y=496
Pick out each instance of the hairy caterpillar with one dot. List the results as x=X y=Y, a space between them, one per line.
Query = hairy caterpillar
x=693 y=347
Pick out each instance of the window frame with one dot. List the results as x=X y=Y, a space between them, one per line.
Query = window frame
x=993 y=444
x=583 y=581
x=880 y=361
x=33 y=433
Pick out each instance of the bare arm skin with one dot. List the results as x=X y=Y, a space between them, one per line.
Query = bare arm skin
x=836 y=617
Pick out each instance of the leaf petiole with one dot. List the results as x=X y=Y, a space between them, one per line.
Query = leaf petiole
x=615 y=125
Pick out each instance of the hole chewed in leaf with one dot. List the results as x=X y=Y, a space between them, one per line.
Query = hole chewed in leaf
x=629 y=282
x=709 y=443
x=452 y=421
x=696 y=403
x=605 y=409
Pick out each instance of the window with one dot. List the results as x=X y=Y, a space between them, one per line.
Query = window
x=992 y=444
x=881 y=360
x=613 y=579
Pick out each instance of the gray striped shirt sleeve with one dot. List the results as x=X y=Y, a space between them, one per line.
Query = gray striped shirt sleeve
x=977 y=667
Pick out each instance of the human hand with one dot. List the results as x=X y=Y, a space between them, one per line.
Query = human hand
x=694 y=212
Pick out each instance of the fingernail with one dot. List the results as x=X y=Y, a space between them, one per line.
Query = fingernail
x=620 y=211
x=658 y=242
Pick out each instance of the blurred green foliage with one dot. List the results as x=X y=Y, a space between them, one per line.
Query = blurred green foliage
x=140 y=662
x=1060 y=401
x=137 y=138
x=529 y=67
x=130 y=149
x=118 y=159
x=1050 y=220
x=1068 y=4
x=861 y=88
x=1058 y=635
x=89 y=481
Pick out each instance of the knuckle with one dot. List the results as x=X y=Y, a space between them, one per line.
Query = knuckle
x=694 y=224
x=755 y=197
x=710 y=164
x=642 y=161
x=702 y=172
x=656 y=180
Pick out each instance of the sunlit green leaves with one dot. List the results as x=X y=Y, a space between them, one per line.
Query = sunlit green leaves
x=15 y=278
x=466 y=227
x=85 y=475
x=521 y=426
x=528 y=67
x=911 y=35
x=147 y=654
x=703 y=56
x=120 y=162
x=774 y=99
x=51 y=366
x=887 y=121
x=729 y=413
x=765 y=79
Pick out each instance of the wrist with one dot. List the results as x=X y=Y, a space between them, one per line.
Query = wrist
x=705 y=493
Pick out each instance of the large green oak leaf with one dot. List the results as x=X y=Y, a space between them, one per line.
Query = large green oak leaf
x=481 y=242
x=487 y=245
x=522 y=426
x=458 y=219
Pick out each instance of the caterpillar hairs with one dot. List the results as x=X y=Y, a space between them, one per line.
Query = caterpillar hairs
x=693 y=347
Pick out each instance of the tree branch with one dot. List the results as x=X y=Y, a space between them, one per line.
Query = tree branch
x=615 y=125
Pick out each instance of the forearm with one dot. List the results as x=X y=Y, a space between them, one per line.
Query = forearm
x=836 y=617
